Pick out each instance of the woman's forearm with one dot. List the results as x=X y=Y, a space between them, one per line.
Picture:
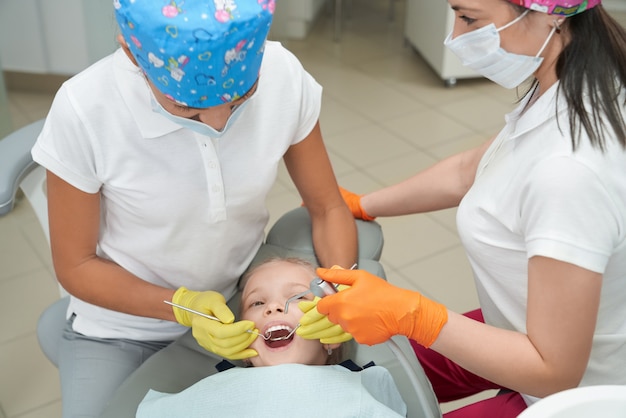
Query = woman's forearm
x=552 y=354
x=74 y=218
x=507 y=358
x=440 y=186
x=335 y=237
x=106 y=284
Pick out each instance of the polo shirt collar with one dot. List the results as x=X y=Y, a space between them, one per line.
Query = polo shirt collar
x=136 y=95
x=542 y=111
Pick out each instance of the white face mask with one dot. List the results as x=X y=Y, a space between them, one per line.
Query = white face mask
x=196 y=126
x=480 y=50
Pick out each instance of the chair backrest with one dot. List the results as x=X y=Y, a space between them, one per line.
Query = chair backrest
x=19 y=171
x=291 y=236
x=16 y=164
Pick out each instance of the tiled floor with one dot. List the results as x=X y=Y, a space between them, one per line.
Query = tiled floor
x=385 y=116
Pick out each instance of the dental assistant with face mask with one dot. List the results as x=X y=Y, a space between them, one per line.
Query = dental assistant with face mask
x=159 y=161
x=541 y=214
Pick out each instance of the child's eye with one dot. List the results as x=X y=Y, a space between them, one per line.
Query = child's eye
x=256 y=303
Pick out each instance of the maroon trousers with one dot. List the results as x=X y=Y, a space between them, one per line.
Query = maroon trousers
x=451 y=382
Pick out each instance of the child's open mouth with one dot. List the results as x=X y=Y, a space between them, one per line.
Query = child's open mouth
x=279 y=336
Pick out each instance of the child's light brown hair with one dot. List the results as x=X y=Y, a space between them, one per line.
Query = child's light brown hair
x=336 y=356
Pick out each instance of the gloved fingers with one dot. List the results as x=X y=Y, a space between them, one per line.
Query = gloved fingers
x=311 y=316
x=236 y=352
x=232 y=347
x=223 y=345
x=314 y=325
x=247 y=353
x=353 y=201
x=341 y=338
x=320 y=330
x=223 y=331
x=209 y=302
x=352 y=278
x=372 y=338
x=214 y=304
x=347 y=194
x=229 y=346
x=306 y=305
x=223 y=313
x=337 y=276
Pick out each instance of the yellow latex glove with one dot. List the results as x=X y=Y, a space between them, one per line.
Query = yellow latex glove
x=227 y=338
x=315 y=326
x=373 y=310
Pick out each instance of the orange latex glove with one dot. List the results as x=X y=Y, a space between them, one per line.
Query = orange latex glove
x=373 y=310
x=353 y=201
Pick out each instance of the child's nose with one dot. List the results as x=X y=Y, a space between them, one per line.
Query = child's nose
x=275 y=307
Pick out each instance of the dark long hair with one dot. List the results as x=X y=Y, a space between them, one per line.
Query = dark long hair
x=594 y=64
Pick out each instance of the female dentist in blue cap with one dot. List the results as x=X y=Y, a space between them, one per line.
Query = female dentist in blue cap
x=159 y=160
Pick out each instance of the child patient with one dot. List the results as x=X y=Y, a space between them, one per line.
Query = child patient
x=303 y=379
x=267 y=288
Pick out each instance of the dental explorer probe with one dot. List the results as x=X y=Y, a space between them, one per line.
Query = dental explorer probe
x=214 y=318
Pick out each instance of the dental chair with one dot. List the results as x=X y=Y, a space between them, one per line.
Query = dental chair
x=184 y=362
x=18 y=170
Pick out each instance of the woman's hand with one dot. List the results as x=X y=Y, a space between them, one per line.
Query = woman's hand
x=372 y=310
x=227 y=338
x=353 y=201
x=316 y=326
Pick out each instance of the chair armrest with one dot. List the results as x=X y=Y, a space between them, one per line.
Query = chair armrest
x=16 y=162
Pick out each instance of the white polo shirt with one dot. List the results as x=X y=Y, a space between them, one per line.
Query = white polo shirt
x=534 y=196
x=178 y=208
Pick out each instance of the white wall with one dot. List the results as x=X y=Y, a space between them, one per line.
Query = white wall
x=615 y=5
x=65 y=36
x=55 y=37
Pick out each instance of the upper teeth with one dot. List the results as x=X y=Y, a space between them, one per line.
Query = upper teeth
x=278 y=327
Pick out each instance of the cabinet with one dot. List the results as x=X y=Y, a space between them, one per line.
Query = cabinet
x=293 y=18
x=55 y=37
x=427 y=25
